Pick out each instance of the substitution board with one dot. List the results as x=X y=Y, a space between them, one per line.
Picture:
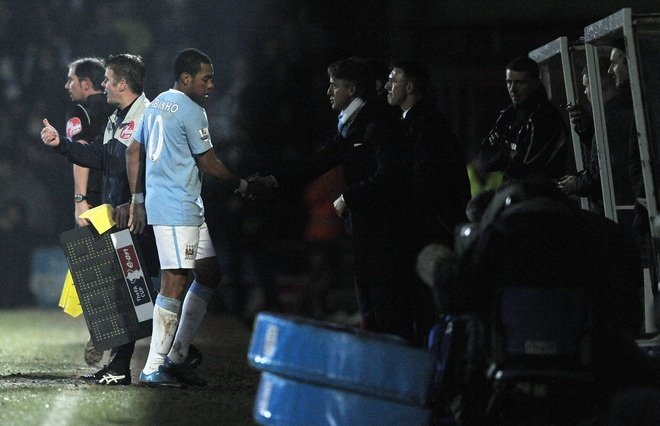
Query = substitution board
x=112 y=284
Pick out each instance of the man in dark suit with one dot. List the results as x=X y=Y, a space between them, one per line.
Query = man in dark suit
x=362 y=147
x=432 y=162
x=431 y=178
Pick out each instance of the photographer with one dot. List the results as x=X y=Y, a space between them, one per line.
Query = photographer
x=529 y=136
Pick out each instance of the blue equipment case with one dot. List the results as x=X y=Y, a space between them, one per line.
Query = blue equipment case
x=285 y=401
x=342 y=358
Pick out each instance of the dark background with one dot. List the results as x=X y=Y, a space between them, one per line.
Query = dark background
x=270 y=61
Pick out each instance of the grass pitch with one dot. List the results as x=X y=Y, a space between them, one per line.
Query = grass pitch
x=41 y=357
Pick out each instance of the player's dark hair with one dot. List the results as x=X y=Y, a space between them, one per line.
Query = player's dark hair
x=190 y=61
x=524 y=64
x=129 y=68
x=92 y=69
x=416 y=72
x=356 y=71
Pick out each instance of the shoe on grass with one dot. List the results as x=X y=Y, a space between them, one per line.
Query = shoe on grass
x=108 y=376
x=159 y=378
x=194 y=357
x=184 y=372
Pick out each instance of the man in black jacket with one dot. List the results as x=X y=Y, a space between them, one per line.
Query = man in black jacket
x=431 y=181
x=431 y=166
x=87 y=116
x=363 y=146
x=530 y=136
x=84 y=122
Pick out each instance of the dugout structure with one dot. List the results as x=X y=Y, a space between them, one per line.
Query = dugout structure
x=641 y=35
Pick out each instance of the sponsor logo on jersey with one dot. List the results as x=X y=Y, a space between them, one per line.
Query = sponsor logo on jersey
x=73 y=127
x=204 y=133
x=127 y=131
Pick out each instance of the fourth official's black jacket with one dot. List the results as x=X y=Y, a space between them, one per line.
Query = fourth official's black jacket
x=84 y=122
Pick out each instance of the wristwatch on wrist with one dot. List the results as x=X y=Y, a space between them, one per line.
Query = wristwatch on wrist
x=79 y=198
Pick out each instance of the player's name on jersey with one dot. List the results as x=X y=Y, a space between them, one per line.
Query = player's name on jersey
x=165 y=106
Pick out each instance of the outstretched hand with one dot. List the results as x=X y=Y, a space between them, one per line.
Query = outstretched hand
x=49 y=135
x=259 y=188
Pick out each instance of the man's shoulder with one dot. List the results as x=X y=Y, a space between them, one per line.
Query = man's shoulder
x=98 y=106
x=96 y=99
x=373 y=111
x=547 y=112
x=174 y=101
x=425 y=114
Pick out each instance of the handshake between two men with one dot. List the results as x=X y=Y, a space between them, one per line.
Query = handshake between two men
x=254 y=187
x=258 y=187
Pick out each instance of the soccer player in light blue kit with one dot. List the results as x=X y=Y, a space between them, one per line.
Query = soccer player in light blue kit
x=175 y=138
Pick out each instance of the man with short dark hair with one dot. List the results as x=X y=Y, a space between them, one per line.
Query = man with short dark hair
x=85 y=119
x=432 y=181
x=362 y=146
x=173 y=147
x=123 y=82
x=641 y=227
x=530 y=136
x=84 y=122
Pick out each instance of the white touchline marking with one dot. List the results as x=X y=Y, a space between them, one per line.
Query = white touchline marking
x=63 y=409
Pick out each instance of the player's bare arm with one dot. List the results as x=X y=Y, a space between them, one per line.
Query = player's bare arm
x=134 y=164
x=210 y=164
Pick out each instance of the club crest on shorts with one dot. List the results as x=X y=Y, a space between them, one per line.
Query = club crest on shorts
x=189 y=253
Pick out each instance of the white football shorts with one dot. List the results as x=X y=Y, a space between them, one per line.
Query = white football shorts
x=179 y=246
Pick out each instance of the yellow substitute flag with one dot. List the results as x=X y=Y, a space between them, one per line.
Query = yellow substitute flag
x=69 y=300
x=101 y=219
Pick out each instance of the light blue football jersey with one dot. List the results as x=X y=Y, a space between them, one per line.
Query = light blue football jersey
x=173 y=130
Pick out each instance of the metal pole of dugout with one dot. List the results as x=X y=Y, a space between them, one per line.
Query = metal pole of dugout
x=560 y=53
x=641 y=35
x=600 y=133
